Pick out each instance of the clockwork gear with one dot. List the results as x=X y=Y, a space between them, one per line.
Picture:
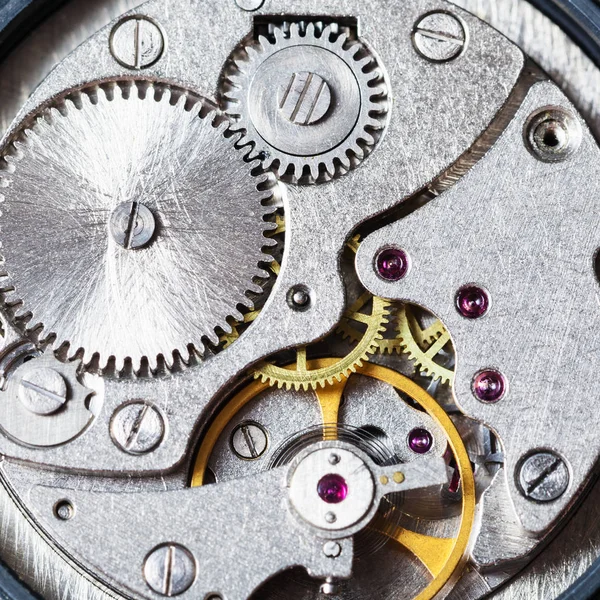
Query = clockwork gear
x=302 y=376
x=131 y=227
x=218 y=456
x=217 y=376
x=424 y=346
x=311 y=102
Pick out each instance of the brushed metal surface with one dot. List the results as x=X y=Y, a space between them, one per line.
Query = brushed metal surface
x=71 y=171
x=513 y=16
x=526 y=231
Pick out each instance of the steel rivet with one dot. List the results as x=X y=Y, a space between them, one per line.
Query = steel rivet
x=299 y=298
x=553 y=134
x=331 y=517
x=332 y=549
x=334 y=458
x=64 y=510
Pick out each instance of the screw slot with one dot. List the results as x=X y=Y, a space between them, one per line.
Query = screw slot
x=137 y=427
x=440 y=36
x=543 y=476
x=137 y=42
x=170 y=570
x=249 y=440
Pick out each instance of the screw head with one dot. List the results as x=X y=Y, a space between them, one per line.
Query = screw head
x=306 y=99
x=137 y=427
x=553 y=134
x=132 y=225
x=249 y=441
x=249 y=5
x=137 y=42
x=472 y=301
x=299 y=298
x=543 y=476
x=170 y=570
x=392 y=264
x=43 y=391
x=440 y=36
x=332 y=549
x=489 y=386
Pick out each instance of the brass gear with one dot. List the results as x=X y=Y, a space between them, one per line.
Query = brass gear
x=442 y=557
x=423 y=345
x=301 y=375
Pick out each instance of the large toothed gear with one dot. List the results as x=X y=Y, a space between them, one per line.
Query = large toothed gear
x=131 y=226
x=312 y=103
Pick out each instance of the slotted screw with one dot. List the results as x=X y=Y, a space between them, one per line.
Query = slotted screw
x=170 y=570
x=137 y=427
x=43 y=391
x=440 y=36
x=543 y=476
x=137 y=42
x=249 y=441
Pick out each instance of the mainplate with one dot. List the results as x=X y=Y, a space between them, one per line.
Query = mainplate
x=295 y=298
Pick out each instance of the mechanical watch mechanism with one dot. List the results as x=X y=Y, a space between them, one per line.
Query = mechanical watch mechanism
x=269 y=283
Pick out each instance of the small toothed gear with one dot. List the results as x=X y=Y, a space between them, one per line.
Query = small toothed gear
x=423 y=345
x=301 y=376
x=311 y=102
x=132 y=229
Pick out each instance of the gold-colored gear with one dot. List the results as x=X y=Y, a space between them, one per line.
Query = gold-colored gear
x=301 y=376
x=442 y=557
x=423 y=345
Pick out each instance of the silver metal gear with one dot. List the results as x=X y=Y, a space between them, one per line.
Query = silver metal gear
x=311 y=102
x=131 y=227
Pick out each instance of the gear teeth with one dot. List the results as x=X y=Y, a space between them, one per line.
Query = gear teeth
x=342 y=367
x=30 y=140
x=335 y=162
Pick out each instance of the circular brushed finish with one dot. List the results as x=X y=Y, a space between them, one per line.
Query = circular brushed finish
x=72 y=169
